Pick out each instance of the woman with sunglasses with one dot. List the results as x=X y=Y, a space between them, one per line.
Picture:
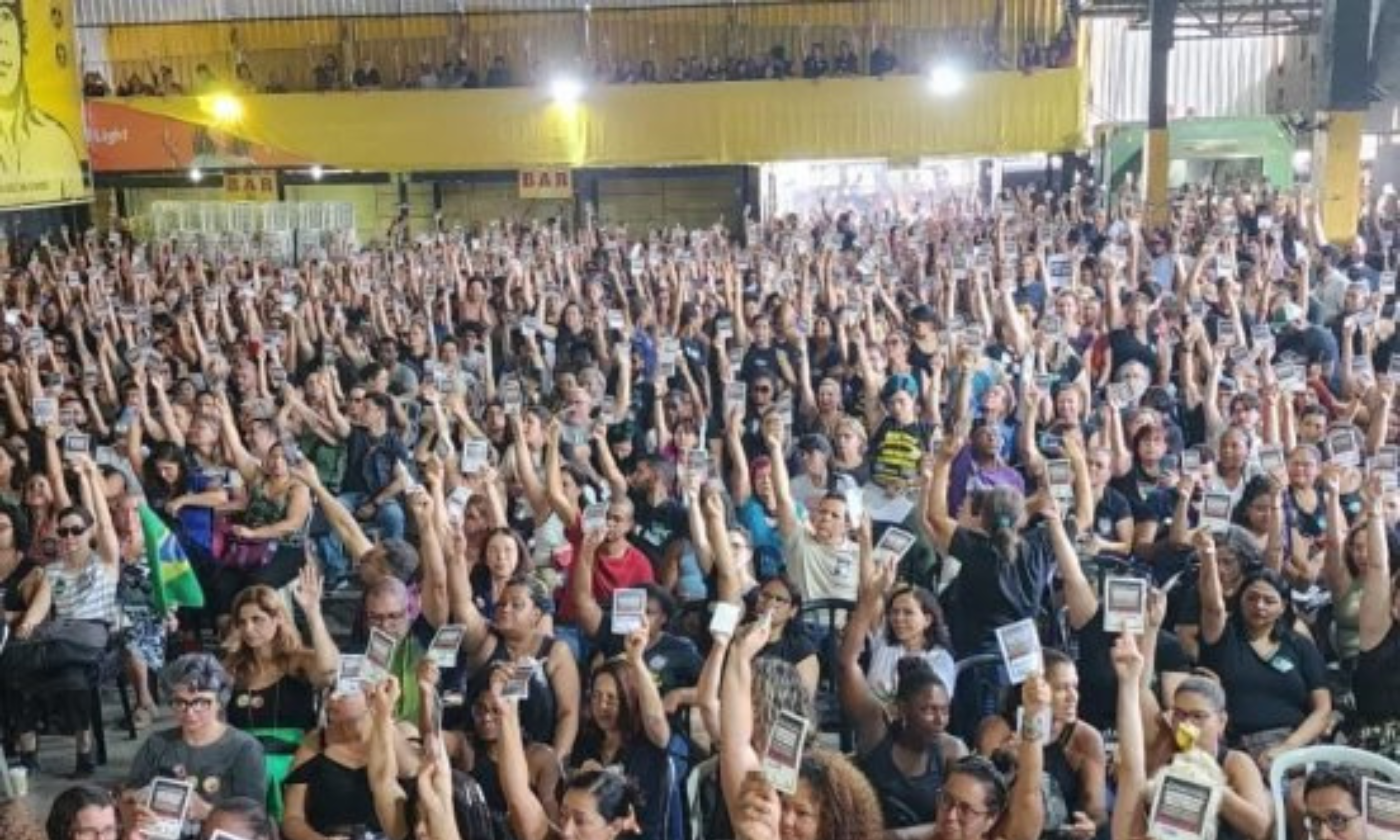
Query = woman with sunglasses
x=219 y=761
x=83 y=583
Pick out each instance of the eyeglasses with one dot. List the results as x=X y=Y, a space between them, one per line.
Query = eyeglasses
x=384 y=618
x=72 y=531
x=198 y=704
x=964 y=810
x=109 y=832
x=1336 y=822
x=774 y=597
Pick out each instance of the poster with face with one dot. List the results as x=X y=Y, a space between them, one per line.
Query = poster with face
x=43 y=158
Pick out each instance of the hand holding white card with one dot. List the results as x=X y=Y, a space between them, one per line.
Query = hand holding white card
x=168 y=801
x=725 y=619
x=595 y=517
x=1380 y=809
x=893 y=545
x=446 y=643
x=1180 y=809
x=1020 y=650
x=1125 y=605
x=782 y=758
x=379 y=654
x=475 y=455
x=629 y=610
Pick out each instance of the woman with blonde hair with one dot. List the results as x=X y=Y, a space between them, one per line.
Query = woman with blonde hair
x=275 y=676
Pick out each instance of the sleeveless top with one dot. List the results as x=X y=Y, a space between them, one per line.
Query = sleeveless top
x=289 y=703
x=338 y=798
x=88 y=594
x=263 y=510
x=1065 y=779
x=538 y=710
x=11 y=599
x=905 y=800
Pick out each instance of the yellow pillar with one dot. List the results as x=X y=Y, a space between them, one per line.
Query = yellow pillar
x=1337 y=173
x=1156 y=161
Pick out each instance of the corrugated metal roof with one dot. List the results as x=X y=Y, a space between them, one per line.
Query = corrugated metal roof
x=1240 y=77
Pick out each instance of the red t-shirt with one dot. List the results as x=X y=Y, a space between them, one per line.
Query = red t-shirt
x=626 y=571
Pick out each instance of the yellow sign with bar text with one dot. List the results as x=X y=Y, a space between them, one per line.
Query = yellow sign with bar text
x=555 y=183
x=258 y=185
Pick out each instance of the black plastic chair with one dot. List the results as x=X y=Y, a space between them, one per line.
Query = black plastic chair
x=824 y=619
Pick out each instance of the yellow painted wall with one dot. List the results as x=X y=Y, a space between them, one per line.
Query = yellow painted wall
x=656 y=125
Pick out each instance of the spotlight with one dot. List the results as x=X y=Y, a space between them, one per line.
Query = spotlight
x=226 y=108
x=566 y=90
x=316 y=172
x=196 y=174
x=947 y=80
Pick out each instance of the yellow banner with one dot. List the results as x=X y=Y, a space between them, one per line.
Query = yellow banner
x=42 y=150
x=546 y=182
x=256 y=185
x=639 y=125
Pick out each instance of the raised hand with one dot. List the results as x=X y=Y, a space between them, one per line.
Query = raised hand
x=307 y=592
x=1127 y=659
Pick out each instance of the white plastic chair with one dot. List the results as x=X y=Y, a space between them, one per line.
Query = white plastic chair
x=5 y=786
x=1305 y=758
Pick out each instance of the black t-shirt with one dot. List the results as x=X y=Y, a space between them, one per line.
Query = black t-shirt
x=1262 y=695
x=990 y=591
x=760 y=360
x=1098 y=684
x=655 y=527
x=650 y=767
x=792 y=647
x=1111 y=509
x=1376 y=682
x=1126 y=348
x=674 y=661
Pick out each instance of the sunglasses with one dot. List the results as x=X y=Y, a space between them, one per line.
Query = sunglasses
x=76 y=531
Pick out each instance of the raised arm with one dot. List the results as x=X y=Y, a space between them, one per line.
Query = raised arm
x=321 y=663
x=782 y=488
x=1376 y=615
x=941 y=524
x=737 y=757
x=654 y=721
x=588 y=611
x=1213 y=614
x=858 y=701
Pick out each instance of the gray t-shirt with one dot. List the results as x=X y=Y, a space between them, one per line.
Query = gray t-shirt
x=231 y=766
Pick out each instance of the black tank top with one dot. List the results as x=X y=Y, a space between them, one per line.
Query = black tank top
x=289 y=703
x=11 y=599
x=338 y=798
x=538 y=711
x=1058 y=768
x=905 y=800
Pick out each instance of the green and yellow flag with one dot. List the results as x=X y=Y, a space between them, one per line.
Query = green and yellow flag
x=172 y=576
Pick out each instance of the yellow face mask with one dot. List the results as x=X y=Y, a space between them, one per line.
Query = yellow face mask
x=1185 y=735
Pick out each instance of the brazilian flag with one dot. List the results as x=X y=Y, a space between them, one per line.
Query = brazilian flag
x=172 y=576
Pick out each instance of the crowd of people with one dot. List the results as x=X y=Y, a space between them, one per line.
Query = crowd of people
x=970 y=50
x=820 y=529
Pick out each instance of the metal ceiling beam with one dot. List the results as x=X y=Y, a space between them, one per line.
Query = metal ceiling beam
x=1198 y=19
